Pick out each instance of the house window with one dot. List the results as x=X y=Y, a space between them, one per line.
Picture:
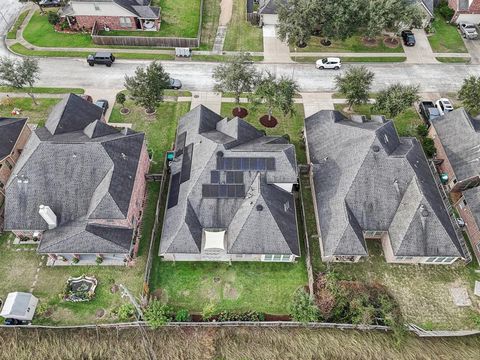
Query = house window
x=276 y=258
x=403 y=258
x=125 y=22
x=430 y=259
x=441 y=259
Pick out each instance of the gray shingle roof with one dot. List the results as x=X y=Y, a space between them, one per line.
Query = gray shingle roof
x=269 y=6
x=213 y=138
x=366 y=178
x=10 y=130
x=459 y=134
x=84 y=179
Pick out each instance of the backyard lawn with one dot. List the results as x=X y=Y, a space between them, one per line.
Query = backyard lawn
x=241 y=35
x=179 y=17
x=36 y=114
x=446 y=37
x=286 y=125
x=352 y=44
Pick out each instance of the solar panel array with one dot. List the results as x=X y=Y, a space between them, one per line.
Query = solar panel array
x=186 y=163
x=174 y=190
x=234 y=177
x=245 y=164
x=223 y=191
x=180 y=144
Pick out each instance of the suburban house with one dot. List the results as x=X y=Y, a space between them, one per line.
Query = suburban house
x=465 y=10
x=112 y=14
x=79 y=187
x=231 y=193
x=14 y=134
x=457 y=140
x=268 y=10
x=369 y=183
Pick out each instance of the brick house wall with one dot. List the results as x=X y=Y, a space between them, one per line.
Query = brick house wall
x=463 y=210
x=474 y=8
x=9 y=162
x=112 y=22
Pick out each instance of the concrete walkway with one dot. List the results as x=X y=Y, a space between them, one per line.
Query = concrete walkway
x=314 y=102
x=422 y=52
x=473 y=47
x=212 y=100
x=274 y=51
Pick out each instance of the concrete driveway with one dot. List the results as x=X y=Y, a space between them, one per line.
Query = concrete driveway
x=274 y=51
x=421 y=53
x=473 y=47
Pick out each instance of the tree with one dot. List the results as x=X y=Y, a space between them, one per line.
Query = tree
x=401 y=14
x=237 y=76
x=396 y=98
x=275 y=94
x=297 y=20
x=355 y=85
x=19 y=73
x=302 y=307
x=470 y=94
x=121 y=98
x=147 y=86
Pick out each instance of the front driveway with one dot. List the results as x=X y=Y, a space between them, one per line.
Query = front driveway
x=274 y=51
x=473 y=47
x=422 y=52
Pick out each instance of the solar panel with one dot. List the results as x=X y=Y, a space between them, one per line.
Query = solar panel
x=180 y=144
x=215 y=177
x=271 y=164
x=223 y=191
x=174 y=190
x=245 y=164
x=187 y=163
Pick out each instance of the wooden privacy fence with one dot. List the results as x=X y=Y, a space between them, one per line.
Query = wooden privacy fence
x=170 y=42
x=308 y=260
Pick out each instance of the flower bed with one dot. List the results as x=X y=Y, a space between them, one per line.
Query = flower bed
x=80 y=289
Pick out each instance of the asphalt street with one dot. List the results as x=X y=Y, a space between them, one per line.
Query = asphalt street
x=198 y=76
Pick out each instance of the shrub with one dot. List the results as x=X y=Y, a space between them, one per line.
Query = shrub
x=208 y=311
x=429 y=147
x=64 y=25
x=422 y=130
x=99 y=260
x=445 y=11
x=182 y=316
x=245 y=316
x=42 y=309
x=121 y=98
x=125 y=312
x=53 y=18
x=157 y=314
x=302 y=307
x=75 y=260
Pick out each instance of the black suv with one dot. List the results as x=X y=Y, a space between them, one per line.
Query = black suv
x=104 y=58
x=408 y=38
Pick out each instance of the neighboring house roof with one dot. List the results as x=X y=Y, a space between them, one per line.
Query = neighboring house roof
x=270 y=6
x=10 y=131
x=366 y=178
x=206 y=193
x=85 y=171
x=139 y=8
x=459 y=134
x=428 y=5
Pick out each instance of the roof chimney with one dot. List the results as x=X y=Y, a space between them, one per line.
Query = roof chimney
x=49 y=216
x=359 y=118
x=379 y=119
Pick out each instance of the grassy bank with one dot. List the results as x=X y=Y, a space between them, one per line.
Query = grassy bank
x=347 y=59
x=42 y=90
x=446 y=37
x=352 y=44
x=12 y=34
x=241 y=35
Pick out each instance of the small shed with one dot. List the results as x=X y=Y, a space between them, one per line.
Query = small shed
x=19 y=306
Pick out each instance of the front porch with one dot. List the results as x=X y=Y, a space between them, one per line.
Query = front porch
x=87 y=260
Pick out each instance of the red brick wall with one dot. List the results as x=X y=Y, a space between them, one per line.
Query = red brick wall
x=112 y=22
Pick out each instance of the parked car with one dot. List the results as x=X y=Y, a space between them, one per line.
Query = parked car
x=329 y=63
x=468 y=30
x=102 y=103
x=460 y=222
x=428 y=111
x=50 y=3
x=175 y=84
x=103 y=58
x=443 y=105
x=15 y=322
x=87 y=97
x=408 y=38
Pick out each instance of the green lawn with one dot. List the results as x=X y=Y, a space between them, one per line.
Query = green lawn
x=352 y=44
x=369 y=59
x=241 y=35
x=454 y=60
x=36 y=114
x=40 y=32
x=43 y=90
x=211 y=13
x=179 y=17
x=446 y=37
x=286 y=125
x=406 y=122
x=12 y=34
x=160 y=128
x=22 y=50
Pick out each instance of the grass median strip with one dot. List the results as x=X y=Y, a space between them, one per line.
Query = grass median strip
x=221 y=58
x=12 y=34
x=454 y=60
x=22 y=50
x=352 y=59
x=42 y=90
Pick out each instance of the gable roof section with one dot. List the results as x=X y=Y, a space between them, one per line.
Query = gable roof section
x=366 y=178
x=10 y=130
x=72 y=114
x=215 y=141
x=269 y=6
